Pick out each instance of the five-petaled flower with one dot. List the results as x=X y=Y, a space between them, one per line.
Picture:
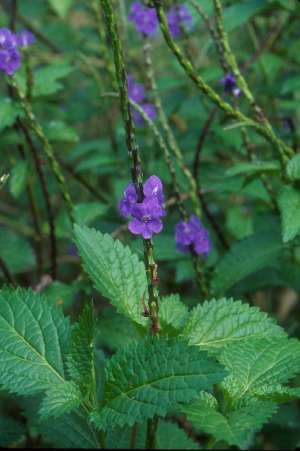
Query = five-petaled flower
x=191 y=235
x=147 y=214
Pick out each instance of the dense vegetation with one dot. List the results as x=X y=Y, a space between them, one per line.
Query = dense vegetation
x=149 y=224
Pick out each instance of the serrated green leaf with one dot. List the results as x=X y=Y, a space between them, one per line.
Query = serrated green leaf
x=236 y=427
x=219 y=323
x=289 y=206
x=80 y=360
x=33 y=336
x=258 y=363
x=172 y=313
x=277 y=393
x=293 y=168
x=116 y=272
x=69 y=431
x=170 y=436
x=18 y=178
x=11 y=431
x=150 y=377
x=59 y=400
x=244 y=258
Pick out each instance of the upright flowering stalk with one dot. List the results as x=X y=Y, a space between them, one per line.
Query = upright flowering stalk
x=145 y=210
x=10 y=44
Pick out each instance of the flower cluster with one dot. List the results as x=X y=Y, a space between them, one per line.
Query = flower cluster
x=230 y=85
x=192 y=235
x=136 y=92
x=148 y=213
x=10 y=57
x=146 y=21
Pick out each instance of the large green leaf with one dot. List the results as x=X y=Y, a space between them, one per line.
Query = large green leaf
x=59 y=400
x=258 y=363
x=219 y=323
x=18 y=178
x=235 y=427
x=9 y=111
x=80 y=360
x=172 y=313
x=240 y=12
x=116 y=272
x=244 y=258
x=254 y=167
x=293 y=168
x=47 y=78
x=33 y=336
x=61 y=7
x=150 y=377
x=289 y=206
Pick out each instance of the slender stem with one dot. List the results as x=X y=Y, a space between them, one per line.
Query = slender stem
x=196 y=168
x=285 y=152
x=46 y=195
x=151 y=433
x=38 y=130
x=133 y=151
x=133 y=436
x=169 y=133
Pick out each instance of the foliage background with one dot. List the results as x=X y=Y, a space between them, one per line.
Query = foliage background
x=70 y=80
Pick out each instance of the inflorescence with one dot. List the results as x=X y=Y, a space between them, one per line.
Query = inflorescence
x=191 y=235
x=10 y=43
x=147 y=214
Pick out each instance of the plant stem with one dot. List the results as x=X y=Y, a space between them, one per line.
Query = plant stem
x=6 y=272
x=46 y=195
x=38 y=130
x=133 y=151
x=285 y=152
x=151 y=433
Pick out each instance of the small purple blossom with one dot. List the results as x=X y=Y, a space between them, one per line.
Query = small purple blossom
x=192 y=235
x=136 y=91
x=145 y=19
x=230 y=85
x=146 y=215
x=150 y=111
x=178 y=17
x=25 y=38
x=128 y=201
x=10 y=57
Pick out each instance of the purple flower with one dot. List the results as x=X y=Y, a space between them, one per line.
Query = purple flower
x=129 y=200
x=146 y=216
x=10 y=61
x=153 y=188
x=10 y=58
x=230 y=85
x=145 y=19
x=136 y=91
x=178 y=17
x=148 y=213
x=192 y=235
x=150 y=111
x=7 y=39
x=25 y=38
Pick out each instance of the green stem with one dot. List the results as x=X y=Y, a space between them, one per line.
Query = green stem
x=133 y=151
x=285 y=152
x=151 y=433
x=38 y=130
